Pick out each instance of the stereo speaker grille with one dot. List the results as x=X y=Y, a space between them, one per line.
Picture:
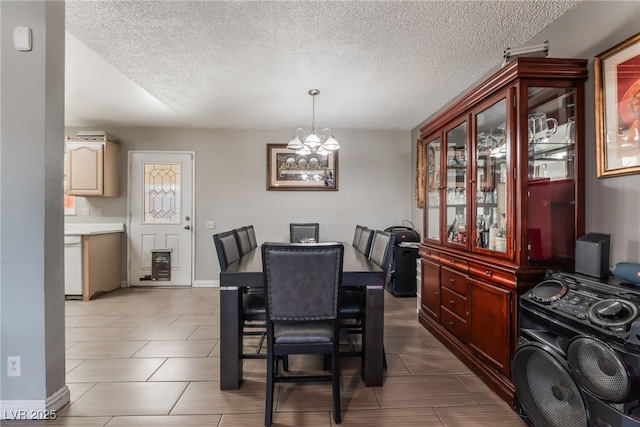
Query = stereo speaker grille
x=545 y=389
x=597 y=367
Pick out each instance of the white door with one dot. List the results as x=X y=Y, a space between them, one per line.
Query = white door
x=161 y=218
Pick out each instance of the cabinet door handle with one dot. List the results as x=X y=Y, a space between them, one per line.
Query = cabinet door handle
x=488 y=272
x=436 y=293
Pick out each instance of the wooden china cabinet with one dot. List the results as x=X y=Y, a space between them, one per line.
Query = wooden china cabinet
x=504 y=201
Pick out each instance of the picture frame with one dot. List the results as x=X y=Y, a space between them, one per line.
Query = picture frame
x=617 y=105
x=420 y=173
x=289 y=171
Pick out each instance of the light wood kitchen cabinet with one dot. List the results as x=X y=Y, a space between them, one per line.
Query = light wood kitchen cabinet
x=504 y=202
x=92 y=166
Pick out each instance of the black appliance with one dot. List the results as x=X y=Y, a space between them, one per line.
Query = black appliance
x=578 y=357
x=403 y=264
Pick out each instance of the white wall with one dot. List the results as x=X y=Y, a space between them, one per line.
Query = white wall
x=374 y=182
x=612 y=204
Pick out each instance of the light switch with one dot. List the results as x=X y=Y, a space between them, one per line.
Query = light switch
x=22 y=39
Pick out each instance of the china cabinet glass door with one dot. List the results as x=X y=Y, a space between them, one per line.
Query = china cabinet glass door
x=551 y=148
x=492 y=180
x=455 y=191
x=432 y=184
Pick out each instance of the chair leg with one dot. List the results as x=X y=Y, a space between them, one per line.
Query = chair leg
x=384 y=358
x=335 y=373
x=272 y=363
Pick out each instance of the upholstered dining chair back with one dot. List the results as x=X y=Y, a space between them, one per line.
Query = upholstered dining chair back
x=302 y=280
x=364 y=244
x=382 y=251
x=252 y=236
x=244 y=244
x=300 y=231
x=357 y=234
x=226 y=248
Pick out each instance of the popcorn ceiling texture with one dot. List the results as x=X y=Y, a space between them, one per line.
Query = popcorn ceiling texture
x=249 y=64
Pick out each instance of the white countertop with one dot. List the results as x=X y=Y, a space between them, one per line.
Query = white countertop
x=79 y=229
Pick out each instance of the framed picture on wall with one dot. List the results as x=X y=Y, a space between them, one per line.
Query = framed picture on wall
x=617 y=93
x=287 y=170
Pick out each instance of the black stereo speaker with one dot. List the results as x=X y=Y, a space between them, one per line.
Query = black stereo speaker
x=592 y=255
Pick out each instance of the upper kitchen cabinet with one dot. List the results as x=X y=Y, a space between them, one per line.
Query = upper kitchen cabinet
x=92 y=165
x=504 y=201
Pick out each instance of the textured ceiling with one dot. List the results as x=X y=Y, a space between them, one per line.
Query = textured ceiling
x=249 y=64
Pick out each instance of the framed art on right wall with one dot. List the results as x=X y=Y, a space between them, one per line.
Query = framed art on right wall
x=617 y=102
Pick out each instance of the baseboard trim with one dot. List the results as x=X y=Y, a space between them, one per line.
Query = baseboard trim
x=35 y=409
x=206 y=284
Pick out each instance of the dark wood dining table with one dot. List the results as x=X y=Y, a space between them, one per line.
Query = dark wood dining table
x=358 y=271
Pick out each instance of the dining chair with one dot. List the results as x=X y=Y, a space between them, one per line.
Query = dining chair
x=352 y=311
x=252 y=236
x=364 y=244
x=300 y=231
x=303 y=283
x=244 y=243
x=357 y=234
x=254 y=313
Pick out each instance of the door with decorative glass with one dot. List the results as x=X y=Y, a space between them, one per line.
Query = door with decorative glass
x=161 y=218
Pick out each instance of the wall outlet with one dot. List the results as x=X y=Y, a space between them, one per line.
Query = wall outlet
x=85 y=211
x=99 y=211
x=211 y=225
x=13 y=366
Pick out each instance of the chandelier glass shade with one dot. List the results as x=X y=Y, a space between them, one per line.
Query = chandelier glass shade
x=321 y=143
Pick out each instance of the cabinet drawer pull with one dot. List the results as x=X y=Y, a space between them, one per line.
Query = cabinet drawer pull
x=451 y=323
x=452 y=280
x=452 y=301
x=437 y=293
x=452 y=261
x=488 y=272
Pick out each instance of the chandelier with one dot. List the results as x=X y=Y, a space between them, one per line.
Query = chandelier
x=321 y=144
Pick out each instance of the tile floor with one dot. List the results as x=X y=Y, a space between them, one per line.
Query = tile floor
x=149 y=357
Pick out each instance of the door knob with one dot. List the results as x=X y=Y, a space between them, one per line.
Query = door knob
x=187 y=218
x=187 y=227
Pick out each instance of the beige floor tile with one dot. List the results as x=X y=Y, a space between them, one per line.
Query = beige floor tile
x=174 y=300
x=191 y=309
x=395 y=366
x=71 y=364
x=166 y=421
x=291 y=419
x=479 y=416
x=104 y=349
x=90 y=321
x=188 y=369
x=423 y=391
x=416 y=417
x=302 y=397
x=97 y=334
x=433 y=363
x=113 y=370
x=160 y=333
x=177 y=348
x=134 y=398
x=134 y=310
x=60 y=421
x=197 y=319
x=69 y=344
x=84 y=308
x=206 y=333
x=77 y=390
x=207 y=398
x=409 y=344
x=148 y=320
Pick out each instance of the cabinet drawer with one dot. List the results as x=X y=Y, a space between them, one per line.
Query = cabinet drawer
x=454 y=324
x=492 y=274
x=454 y=302
x=454 y=263
x=454 y=281
x=431 y=255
